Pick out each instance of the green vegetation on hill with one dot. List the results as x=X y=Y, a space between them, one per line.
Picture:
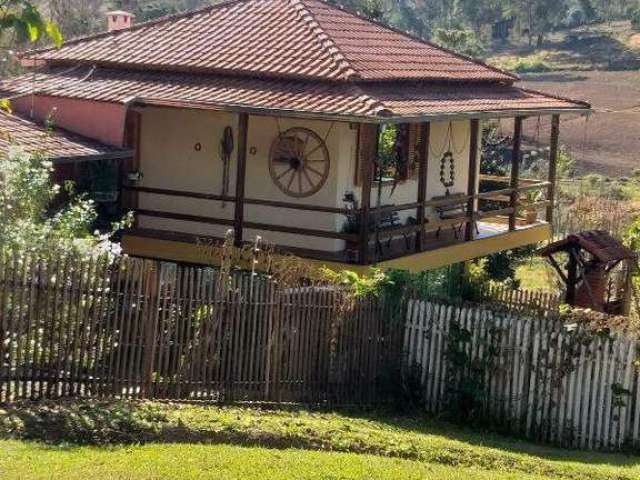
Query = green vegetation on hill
x=535 y=62
x=426 y=446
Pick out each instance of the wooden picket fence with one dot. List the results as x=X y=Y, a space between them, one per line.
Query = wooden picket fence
x=137 y=328
x=133 y=328
x=529 y=375
x=523 y=300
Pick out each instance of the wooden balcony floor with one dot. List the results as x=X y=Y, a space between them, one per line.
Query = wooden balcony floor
x=187 y=248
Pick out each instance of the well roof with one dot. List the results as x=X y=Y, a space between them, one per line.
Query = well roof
x=599 y=243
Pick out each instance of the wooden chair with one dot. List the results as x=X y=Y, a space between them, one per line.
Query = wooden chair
x=386 y=221
x=457 y=209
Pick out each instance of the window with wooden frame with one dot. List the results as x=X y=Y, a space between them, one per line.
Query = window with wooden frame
x=394 y=148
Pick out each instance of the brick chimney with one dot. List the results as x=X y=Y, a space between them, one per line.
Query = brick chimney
x=119 y=20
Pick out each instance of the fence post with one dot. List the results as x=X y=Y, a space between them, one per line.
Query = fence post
x=272 y=320
x=152 y=278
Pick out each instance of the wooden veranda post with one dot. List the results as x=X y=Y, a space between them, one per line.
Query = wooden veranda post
x=131 y=140
x=365 y=205
x=241 y=173
x=472 y=186
x=553 y=165
x=515 y=172
x=423 y=171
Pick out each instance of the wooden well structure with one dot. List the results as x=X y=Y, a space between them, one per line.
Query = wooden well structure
x=598 y=270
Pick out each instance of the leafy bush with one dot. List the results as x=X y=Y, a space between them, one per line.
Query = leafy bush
x=29 y=223
x=464 y=42
x=537 y=62
x=566 y=164
x=359 y=285
x=581 y=13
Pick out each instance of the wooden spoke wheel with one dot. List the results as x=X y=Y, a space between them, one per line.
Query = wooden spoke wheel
x=299 y=162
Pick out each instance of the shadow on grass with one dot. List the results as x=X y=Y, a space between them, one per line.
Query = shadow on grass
x=68 y=424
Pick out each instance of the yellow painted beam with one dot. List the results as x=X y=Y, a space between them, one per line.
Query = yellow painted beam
x=461 y=252
x=419 y=262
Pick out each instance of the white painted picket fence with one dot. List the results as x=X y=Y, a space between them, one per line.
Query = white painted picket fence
x=539 y=378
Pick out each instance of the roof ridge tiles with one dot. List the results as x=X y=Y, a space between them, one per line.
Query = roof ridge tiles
x=417 y=38
x=345 y=68
x=375 y=105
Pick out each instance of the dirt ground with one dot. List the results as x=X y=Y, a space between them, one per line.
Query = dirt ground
x=599 y=63
x=607 y=142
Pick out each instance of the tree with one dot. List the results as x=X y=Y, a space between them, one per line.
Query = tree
x=21 y=22
x=28 y=222
x=462 y=41
x=538 y=16
x=478 y=14
x=150 y=9
x=77 y=17
x=635 y=18
x=23 y=18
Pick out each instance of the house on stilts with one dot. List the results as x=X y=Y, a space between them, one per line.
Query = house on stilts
x=336 y=138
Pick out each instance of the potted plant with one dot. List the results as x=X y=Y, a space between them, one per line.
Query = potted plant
x=529 y=209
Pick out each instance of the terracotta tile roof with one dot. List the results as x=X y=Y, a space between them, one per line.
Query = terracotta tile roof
x=422 y=99
x=377 y=52
x=276 y=38
x=367 y=101
x=57 y=145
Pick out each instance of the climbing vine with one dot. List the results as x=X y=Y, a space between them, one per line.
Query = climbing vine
x=467 y=374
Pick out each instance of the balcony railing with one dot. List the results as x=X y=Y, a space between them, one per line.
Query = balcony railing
x=473 y=208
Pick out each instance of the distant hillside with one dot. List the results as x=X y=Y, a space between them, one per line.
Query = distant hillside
x=602 y=46
x=601 y=64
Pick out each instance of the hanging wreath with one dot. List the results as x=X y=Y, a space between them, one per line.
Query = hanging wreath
x=449 y=181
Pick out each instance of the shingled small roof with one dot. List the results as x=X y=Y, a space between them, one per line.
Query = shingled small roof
x=599 y=243
x=57 y=145
x=285 y=57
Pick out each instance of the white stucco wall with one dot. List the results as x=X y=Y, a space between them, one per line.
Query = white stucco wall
x=341 y=143
x=169 y=160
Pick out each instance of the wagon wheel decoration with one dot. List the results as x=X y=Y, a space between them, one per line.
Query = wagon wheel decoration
x=299 y=162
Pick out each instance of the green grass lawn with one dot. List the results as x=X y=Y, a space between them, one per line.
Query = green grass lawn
x=152 y=440
x=537 y=274
x=20 y=460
